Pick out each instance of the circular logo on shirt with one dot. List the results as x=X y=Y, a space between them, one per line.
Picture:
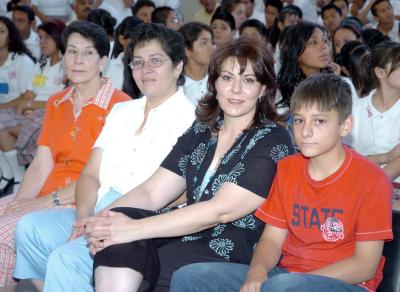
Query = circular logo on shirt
x=332 y=229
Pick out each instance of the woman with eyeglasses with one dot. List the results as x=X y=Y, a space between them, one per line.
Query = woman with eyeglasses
x=73 y=119
x=135 y=139
x=225 y=162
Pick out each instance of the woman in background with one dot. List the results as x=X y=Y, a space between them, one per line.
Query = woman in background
x=21 y=125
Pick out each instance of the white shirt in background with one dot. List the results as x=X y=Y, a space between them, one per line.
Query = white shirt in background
x=54 y=8
x=117 y=9
x=16 y=74
x=47 y=80
x=115 y=71
x=195 y=89
x=393 y=34
x=32 y=42
x=129 y=159
x=174 y=4
x=375 y=132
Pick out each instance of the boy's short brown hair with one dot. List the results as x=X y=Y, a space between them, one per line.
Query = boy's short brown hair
x=327 y=91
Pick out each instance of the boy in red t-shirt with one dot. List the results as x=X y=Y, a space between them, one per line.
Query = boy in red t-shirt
x=328 y=211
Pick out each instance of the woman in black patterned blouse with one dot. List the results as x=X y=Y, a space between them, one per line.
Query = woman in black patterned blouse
x=225 y=161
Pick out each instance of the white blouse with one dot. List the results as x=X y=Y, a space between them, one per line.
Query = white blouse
x=129 y=159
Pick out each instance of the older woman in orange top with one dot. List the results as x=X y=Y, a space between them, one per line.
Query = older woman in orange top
x=72 y=122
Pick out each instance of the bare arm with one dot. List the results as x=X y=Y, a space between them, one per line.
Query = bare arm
x=39 y=13
x=88 y=185
x=160 y=189
x=12 y=103
x=358 y=268
x=231 y=202
x=36 y=174
x=266 y=256
x=392 y=169
x=363 y=11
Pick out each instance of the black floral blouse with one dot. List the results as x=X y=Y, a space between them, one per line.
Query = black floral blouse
x=250 y=163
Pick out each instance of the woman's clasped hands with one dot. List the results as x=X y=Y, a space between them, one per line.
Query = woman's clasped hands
x=107 y=228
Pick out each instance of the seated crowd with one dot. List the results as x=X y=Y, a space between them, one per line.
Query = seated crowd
x=247 y=150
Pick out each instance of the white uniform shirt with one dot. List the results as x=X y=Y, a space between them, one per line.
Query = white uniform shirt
x=54 y=7
x=15 y=75
x=115 y=71
x=32 y=42
x=128 y=160
x=195 y=89
x=117 y=9
x=375 y=132
x=47 y=80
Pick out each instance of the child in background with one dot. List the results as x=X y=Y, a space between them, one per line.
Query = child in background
x=376 y=131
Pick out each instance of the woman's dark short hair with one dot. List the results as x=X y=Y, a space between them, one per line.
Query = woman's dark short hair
x=326 y=91
x=224 y=16
x=244 y=51
x=104 y=19
x=54 y=28
x=89 y=30
x=385 y=54
x=171 y=41
x=255 y=23
x=140 y=4
x=295 y=42
x=191 y=32
x=15 y=43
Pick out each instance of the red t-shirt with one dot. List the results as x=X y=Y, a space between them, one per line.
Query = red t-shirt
x=325 y=218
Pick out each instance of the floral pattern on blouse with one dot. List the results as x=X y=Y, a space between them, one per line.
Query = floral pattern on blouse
x=250 y=164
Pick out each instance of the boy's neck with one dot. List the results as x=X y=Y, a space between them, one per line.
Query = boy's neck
x=324 y=165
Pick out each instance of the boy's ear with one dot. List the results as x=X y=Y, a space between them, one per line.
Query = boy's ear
x=346 y=126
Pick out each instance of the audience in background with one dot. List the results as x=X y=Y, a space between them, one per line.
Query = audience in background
x=16 y=71
x=21 y=124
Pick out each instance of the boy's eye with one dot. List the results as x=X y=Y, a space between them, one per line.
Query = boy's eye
x=298 y=121
x=320 y=121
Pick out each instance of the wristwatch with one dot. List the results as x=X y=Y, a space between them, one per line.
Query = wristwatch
x=56 y=199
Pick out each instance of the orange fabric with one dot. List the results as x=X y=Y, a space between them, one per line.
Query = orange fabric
x=325 y=218
x=71 y=139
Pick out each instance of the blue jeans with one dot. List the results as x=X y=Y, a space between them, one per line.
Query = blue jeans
x=44 y=252
x=228 y=277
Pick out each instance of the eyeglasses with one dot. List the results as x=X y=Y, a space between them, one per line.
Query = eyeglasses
x=154 y=62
